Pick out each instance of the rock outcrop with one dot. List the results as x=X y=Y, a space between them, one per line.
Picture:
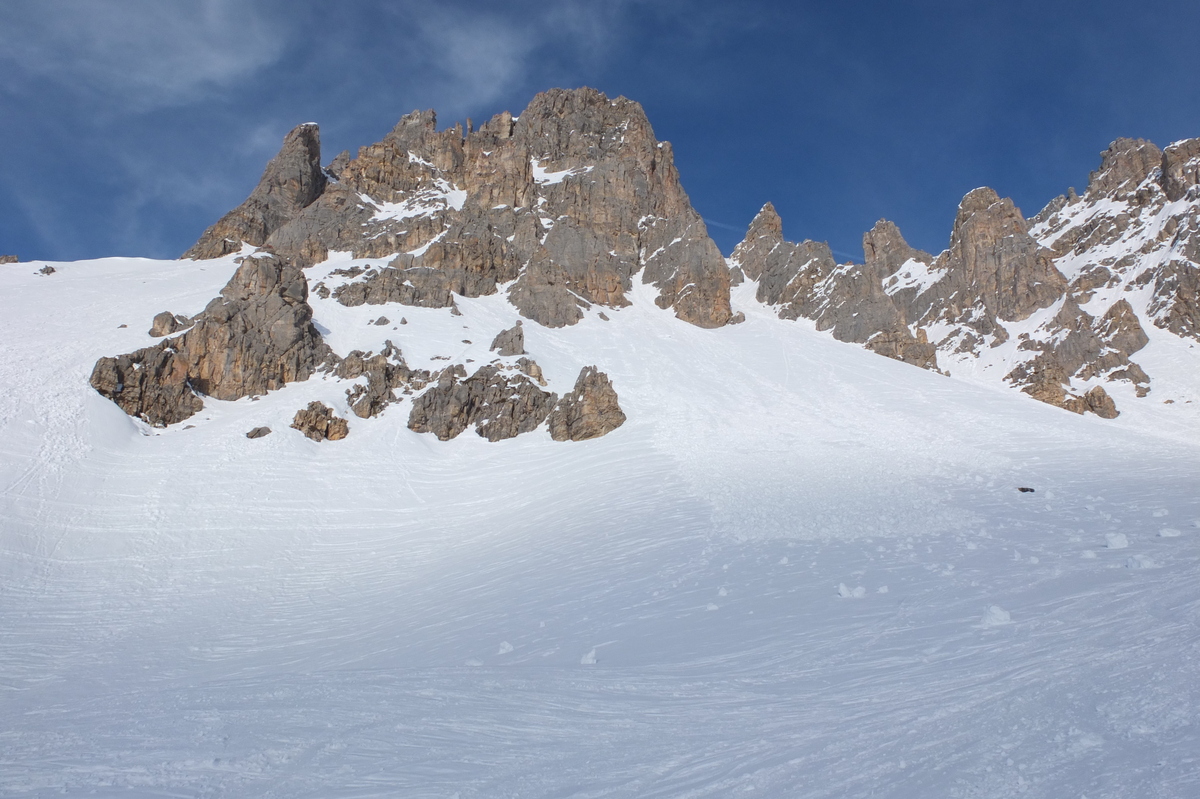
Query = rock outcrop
x=255 y=337
x=590 y=410
x=500 y=404
x=850 y=300
x=509 y=342
x=319 y=423
x=167 y=323
x=9 y=259
x=568 y=203
x=151 y=384
x=291 y=182
x=386 y=373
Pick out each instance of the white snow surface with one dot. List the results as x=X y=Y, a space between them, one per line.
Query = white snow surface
x=190 y=613
x=545 y=178
x=913 y=274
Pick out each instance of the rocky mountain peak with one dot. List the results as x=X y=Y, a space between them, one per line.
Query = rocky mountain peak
x=994 y=261
x=1123 y=167
x=766 y=224
x=886 y=251
x=571 y=200
x=985 y=218
x=1180 y=168
x=292 y=181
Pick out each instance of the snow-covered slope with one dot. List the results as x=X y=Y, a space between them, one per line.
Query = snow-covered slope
x=798 y=569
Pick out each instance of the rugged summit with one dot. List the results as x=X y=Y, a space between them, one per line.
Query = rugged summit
x=571 y=200
x=291 y=182
x=1057 y=305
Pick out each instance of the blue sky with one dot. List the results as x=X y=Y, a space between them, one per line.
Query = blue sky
x=128 y=126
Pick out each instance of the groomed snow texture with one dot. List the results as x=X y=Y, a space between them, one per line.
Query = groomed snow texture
x=798 y=570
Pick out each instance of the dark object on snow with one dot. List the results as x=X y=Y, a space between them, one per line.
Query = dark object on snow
x=47 y=270
x=1025 y=489
x=259 y=432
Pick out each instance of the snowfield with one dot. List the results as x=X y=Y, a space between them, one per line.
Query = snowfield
x=799 y=569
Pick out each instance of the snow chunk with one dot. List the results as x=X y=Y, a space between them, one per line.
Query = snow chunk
x=544 y=178
x=426 y=202
x=913 y=274
x=851 y=593
x=589 y=659
x=996 y=616
x=1116 y=541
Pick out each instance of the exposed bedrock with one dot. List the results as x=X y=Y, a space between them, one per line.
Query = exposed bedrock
x=573 y=201
x=500 y=404
x=590 y=410
x=319 y=423
x=255 y=337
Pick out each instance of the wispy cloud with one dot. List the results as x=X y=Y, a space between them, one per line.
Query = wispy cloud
x=471 y=54
x=138 y=53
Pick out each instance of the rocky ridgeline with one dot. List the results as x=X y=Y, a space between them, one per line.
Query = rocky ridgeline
x=1057 y=303
x=563 y=207
x=572 y=200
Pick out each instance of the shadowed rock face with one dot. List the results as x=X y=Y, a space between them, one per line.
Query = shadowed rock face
x=291 y=182
x=503 y=404
x=1180 y=168
x=255 y=337
x=572 y=200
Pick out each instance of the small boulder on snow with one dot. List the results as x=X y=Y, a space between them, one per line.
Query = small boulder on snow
x=318 y=422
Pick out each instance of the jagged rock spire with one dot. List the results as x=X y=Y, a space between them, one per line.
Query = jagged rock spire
x=292 y=181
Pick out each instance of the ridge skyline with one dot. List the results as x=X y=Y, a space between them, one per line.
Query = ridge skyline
x=839 y=117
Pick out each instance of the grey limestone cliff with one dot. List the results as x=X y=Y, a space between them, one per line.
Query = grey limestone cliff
x=572 y=200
